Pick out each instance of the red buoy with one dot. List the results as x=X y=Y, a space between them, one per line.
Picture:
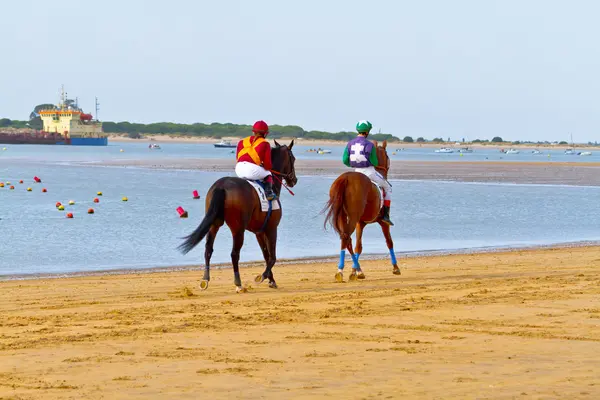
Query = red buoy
x=44 y=190
x=195 y=195
x=182 y=213
x=90 y=211
x=96 y=200
x=37 y=180
x=12 y=187
x=69 y=215
x=21 y=181
x=58 y=204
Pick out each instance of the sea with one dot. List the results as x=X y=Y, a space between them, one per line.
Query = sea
x=144 y=231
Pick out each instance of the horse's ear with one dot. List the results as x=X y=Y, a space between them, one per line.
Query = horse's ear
x=291 y=144
x=277 y=144
x=375 y=143
x=384 y=144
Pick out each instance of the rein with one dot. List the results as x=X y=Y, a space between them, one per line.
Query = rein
x=275 y=173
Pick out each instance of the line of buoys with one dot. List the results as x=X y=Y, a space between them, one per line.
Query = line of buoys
x=90 y=210
x=195 y=195
x=182 y=213
x=69 y=215
x=96 y=200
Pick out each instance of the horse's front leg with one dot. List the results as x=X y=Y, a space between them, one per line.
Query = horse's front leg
x=272 y=246
x=385 y=228
x=210 y=240
x=360 y=226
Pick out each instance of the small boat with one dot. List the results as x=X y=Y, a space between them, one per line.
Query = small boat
x=465 y=150
x=324 y=151
x=153 y=146
x=585 y=153
x=445 y=150
x=536 y=152
x=225 y=144
x=569 y=152
x=512 y=151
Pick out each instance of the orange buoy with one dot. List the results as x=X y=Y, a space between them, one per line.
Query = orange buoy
x=58 y=204
x=1 y=184
x=44 y=190
x=96 y=200
x=12 y=187
x=182 y=213
x=69 y=215
x=195 y=195
x=90 y=211
x=21 y=181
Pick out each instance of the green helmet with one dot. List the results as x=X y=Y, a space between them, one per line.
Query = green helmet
x=363 y=126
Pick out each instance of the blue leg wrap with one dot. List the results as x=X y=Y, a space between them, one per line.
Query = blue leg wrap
x=342 y=259
x=393 y=255
x=357 y=256
x=355 y=265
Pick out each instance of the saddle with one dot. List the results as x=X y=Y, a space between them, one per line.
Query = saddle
x=264 y=203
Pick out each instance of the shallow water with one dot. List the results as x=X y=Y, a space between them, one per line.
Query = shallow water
x=144 y=232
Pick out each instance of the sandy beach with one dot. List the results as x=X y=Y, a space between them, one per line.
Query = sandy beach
x=496 y=325
x=551 y=172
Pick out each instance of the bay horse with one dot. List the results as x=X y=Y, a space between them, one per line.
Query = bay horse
x=233 y=201
x=354 y=201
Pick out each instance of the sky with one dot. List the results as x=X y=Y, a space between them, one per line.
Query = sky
x=522 y=70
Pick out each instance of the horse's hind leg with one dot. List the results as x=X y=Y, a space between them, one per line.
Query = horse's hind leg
x=238 y=242
x=208 y=251
x=390 y=244
x=261 y=238
x=346 y=244
x=272 y=246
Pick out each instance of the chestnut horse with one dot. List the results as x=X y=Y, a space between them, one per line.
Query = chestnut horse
x=354 y=202
x=234 y=201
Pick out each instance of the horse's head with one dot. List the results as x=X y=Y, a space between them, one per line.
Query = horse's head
x=382 y=157
x=283 y=162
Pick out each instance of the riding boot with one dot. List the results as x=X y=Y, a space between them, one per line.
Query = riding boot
x=268 y=182
x=386 y=215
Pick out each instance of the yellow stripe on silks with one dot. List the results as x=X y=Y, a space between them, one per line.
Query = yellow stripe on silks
x=250 y=149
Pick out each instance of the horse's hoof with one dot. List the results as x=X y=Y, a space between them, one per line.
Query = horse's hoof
x=272 y=285
x=240 y=289
x=360 y=275
x=396 y=271
x=339 y=277
x=259 y=278
x=204 y=284
x=353 y=276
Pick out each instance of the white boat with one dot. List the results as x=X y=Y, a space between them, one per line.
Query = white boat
x=445 y=150
x=465 y=150
x=585 y=153
x=153 y=146
x=569 y=152
x=324 y=151
x=512 y=151
x=225 y=143
x=536 y=152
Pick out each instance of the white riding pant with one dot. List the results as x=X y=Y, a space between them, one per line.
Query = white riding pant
x=248 y=170
x=376 y=177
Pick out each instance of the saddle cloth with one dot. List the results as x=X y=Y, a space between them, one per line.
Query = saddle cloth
x=380 y=194
x=264 y=203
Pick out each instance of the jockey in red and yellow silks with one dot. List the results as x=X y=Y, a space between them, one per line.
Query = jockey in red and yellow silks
x=254 y=158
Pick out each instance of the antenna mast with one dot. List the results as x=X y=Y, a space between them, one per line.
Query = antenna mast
x=97 y=108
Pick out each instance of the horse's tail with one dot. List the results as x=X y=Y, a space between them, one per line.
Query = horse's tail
x=336 y=211
x=215 y=210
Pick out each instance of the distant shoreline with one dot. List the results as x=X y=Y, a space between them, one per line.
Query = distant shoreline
x=310 y=142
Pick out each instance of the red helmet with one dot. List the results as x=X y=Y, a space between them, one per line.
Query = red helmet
x=260 y=127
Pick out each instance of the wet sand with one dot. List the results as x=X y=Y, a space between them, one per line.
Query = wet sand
x=496 y=325
x=563 y=173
